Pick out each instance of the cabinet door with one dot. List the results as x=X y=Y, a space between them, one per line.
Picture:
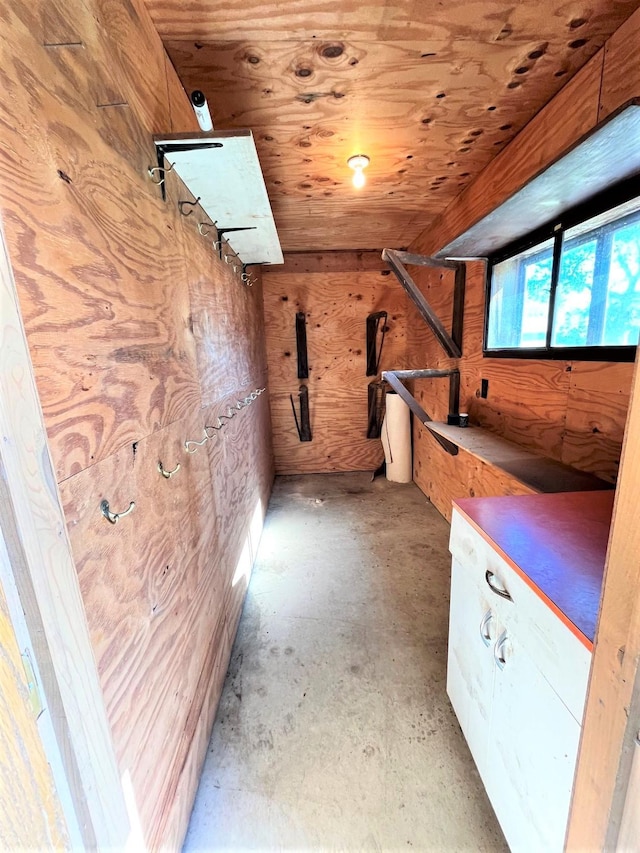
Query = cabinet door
x=470 y=668
x=555 y=650
x=533 y=743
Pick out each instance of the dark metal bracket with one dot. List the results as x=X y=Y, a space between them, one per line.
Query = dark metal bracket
x=395 y=378
x=304 y=424
x=223 y=231
x=451 y=343
x=301 y=345
x=162 y=150
x=373 y=353
x=376 y=394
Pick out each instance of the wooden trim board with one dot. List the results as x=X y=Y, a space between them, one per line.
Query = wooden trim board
x=612 y=716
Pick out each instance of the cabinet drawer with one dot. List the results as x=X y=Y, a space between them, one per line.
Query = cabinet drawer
x=553 y=648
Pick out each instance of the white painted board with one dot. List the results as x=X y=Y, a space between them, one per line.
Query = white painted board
x=603 y=157
x=231 y=188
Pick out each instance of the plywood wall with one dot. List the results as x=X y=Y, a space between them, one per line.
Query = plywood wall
x=572 y=411
x=336 y=292
x=139 y=336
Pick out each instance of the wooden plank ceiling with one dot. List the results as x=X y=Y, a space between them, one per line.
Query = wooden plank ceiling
x=429 y=90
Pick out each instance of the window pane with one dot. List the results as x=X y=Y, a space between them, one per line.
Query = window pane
x=598 y=293
x=622 y=313
x=519 y=300
x=573 y=293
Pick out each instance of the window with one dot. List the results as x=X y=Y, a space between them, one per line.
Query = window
x=571 y=290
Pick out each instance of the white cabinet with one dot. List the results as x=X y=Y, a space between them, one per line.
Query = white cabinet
x=517 y=679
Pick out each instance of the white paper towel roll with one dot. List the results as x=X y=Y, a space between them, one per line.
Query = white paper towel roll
x=396 y=440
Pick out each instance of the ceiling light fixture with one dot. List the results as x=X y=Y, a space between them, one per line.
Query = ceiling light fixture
x=358 y=163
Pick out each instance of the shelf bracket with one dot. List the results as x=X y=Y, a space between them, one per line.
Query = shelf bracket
x=450 y=343
x=301 y=345
x=396 y=379
x=161 y=150
x=375 y=322
x=303 y=425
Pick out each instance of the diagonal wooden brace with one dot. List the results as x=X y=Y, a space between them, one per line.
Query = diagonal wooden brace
x=451 y=343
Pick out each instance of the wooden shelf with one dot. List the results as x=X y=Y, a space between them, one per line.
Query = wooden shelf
x=603 y=157
x=222 y=168
x=534 y=470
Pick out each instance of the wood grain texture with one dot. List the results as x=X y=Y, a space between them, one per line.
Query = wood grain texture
x=443 y=478
x=611 y=715
x=431 y=104
x=142 y=580
x=492 y=20
x=30 y=814
x=336 y=305
x=621 y=73
x=572 y=412
x=225 y=316
x=98 y=278
x=136 y=52
x=183 y=118
x=208 y=694
x=42 y=566
x=597 y=405
x=324 y=262
x=133 y=325
x=569 y=115
x=429 y=133
x=432 y=92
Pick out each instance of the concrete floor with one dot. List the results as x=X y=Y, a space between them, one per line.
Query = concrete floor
x=334 y=731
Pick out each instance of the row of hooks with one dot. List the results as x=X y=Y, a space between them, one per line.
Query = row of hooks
x=191 y=447
x=113 y=517
x=210 y=430
x=222 y=246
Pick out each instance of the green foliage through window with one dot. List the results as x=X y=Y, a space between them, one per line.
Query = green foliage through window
x=589 y=298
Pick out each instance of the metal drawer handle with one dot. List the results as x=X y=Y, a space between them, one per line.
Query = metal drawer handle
x=498 y=651
x=114 y=516
x=501 y=591
x=485 y=631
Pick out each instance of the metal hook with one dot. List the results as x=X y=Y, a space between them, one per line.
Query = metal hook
x=195 y=443
x=168 y=474
x=207 y=225
x=213 y=428
x=114 y=516
x=182 y=204
x=151 y=172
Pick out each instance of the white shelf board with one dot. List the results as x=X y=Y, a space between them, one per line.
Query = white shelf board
x=232 y=191
x=605 y=156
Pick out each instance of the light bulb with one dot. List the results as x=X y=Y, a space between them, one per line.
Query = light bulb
x=358 y=163
x=359 y=179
